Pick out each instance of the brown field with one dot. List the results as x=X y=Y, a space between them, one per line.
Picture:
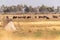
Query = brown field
x=31 y=29
x=43 y=30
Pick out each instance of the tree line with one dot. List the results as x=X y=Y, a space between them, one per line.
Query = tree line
x=25 y=8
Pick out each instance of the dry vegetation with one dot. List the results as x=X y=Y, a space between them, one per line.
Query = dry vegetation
x=32 y=29
x=43 y=30
x=30 y=25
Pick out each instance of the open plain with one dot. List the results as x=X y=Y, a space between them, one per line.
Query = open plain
x=43 y=30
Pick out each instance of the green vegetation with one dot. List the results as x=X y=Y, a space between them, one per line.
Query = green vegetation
x=37 y=34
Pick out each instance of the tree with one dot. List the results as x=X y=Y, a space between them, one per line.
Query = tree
x=30 y=9
x=26 y=8
x=50 y=9
x=43 y=8
x=19 y=8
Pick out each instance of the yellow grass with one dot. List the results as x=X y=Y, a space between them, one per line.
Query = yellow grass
x=49 y=29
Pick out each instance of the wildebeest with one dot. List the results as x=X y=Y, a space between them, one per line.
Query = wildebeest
x=28 y=16
x=55 y=16
x=44 y=17
x=14 y=17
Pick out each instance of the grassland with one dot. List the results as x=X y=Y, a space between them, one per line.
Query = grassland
x=43 y=30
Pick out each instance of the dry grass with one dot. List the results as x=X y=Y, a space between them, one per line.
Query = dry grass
x=43 y=30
